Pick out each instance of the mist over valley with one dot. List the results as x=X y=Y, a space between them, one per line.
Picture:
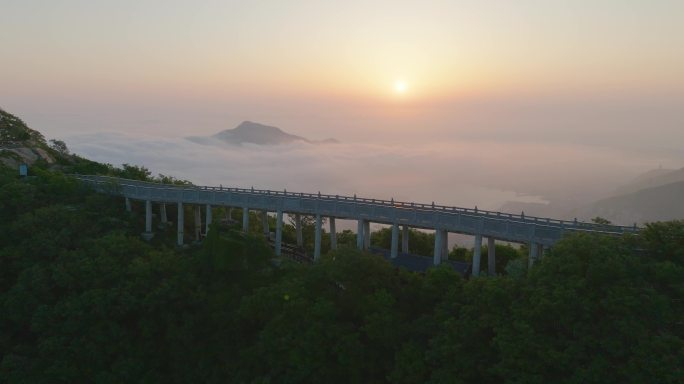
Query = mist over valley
x=555 y=180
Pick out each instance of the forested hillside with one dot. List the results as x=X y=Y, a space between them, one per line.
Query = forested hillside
x=84 y=299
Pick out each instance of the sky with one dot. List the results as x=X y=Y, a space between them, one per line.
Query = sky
x=471 y=68
x=560 y=80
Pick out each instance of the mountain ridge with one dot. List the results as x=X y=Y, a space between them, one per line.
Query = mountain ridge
x=651 y=196
x=249 y=132
x=653 y=178
x=646 y=205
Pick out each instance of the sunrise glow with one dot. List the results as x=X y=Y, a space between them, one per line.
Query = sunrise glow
x=400 y=86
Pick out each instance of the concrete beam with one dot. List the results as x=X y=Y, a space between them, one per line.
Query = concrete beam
x=366 y=235
x=540 y=251
x=405 y=239
x=181 y=223
x=162 y=213
x=437 y=257
x=279 y=233
x=394 y=247
x=148 y=216
x=209 y=218
x=333 y=233
x=491 y=257
x=477 y=253
x=317 y=238
x=245 y=219
x=359 y=234
x=532 y=258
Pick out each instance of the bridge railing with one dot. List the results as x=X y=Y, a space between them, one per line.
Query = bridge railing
x=564 y=225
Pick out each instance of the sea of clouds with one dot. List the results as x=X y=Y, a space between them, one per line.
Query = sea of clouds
x=463 y=173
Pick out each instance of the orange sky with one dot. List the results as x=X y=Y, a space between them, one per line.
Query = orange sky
x=326 y=68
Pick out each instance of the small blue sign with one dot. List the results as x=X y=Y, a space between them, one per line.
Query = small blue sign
x=23 y=170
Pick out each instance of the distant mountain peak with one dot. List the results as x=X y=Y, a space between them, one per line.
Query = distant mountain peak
x=251 y=125
x=250 y=132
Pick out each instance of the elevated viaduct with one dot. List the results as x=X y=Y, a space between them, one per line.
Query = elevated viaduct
x=538 y=233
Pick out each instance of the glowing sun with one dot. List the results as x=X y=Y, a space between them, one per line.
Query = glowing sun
x=400 y=86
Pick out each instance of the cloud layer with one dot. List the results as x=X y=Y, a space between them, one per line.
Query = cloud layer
x=467 y=174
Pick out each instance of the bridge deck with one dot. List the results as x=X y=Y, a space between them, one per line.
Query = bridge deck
x=499 y=225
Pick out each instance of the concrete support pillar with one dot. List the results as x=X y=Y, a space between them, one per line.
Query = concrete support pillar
x=181 y=223
x=534 y=249
x=359 y=234
x=298 y=229
x=245 y=219
x=148 y=216
x=264 y=223
x=162 y=213
x=366 y=235
x=445 y=245
x=405 y=239
x=333 y=233
x=279 y=233
x=230 y=214
x=317 y=238
x=209 y=218
x=477 y=253
x=437 y=258
x=540 y=251
x=491 y=257
x=198 y=223
x=394 y=247
x=128 y=205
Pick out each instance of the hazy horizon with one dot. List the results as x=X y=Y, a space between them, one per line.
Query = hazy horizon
x=554 y=99
x=464 y=174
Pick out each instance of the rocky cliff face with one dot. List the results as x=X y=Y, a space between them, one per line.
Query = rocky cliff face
x=21 y=144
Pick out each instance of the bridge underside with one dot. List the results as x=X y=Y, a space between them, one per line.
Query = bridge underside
x=418 y=263
x=537 y=233
x=403 y=259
